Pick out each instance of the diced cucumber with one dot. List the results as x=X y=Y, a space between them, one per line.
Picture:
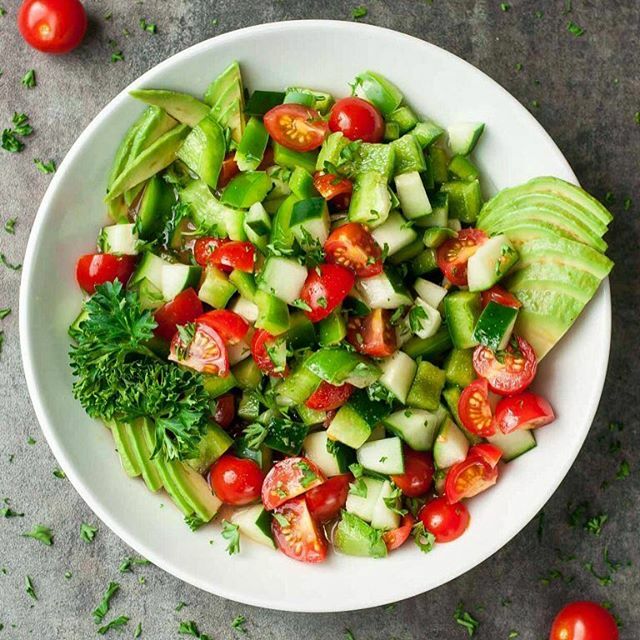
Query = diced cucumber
x=336 y=366
x=408 y=154
x=354 y=421
x=354 y=537
x=382 y=456
x=433 y=294
x=377 y=433
x=203 y=150
x=427 y=132
x=246 y=189
x=384 y=291
x=177 y=278
x=454 y=224
x=249 y=406
x=426 y=387
x=424 y=320
x=490 y=263
x=439 y=164
x=245 y=308
x=439 y=212
x=252 y=146
x=398 y=372
x=378 y=90
x=297 y=388
x=464 y=136
x=513 y=444
x=255 y=523
x=462 y=168
x=417 y=427
x=215 y=385
x=451 y=396
x=258 y=220
x=364 y=374
x=495 y=325
x=310 y=417
x=281 y=234
x=405 y=118
x=120 y=239
x=458 y=367
x=429 y=347
x=465 y=200
x=363 y=506
x=408 y=253
x=333 y=458
x=332 y=330
x=215 y=290
x=391 y=131
x=211 y=446
x=450 y=446
x=247 y=375
x=301 y=184
x=285 y=436
x=273 y=313
x=370 y=200
x=310 y=222
x=238 y=352
x=283 y=278
x=462 y=310
x=385 y=517
x=414 y=201
x=396 y=233
x=290 y=159
x=262 y=101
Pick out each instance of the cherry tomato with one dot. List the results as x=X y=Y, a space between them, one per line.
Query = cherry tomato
x=453 y=255
x=475 y=410
x=418 y=473
x=510 y=373
x=203 y=248
x=184 y=308
x=488 y=452
x=446 y=521
x=327 y=396
x=329 y=185
x=231 y=327
x=206 y=352
x=225 y=411
x=297 y=534
x=501 y=296
x=289 y=478
x=326 y=500
x=259 y=343
x=97 y=268
x=524 y=411
x=325 y=288
x=397 y=537
x=295 y=126
x=584 y=620
x=469 y=478
x=357 y=119
x=234 y=255
x=352 y=246
x=373 y=334
x=267 y=159
x=52 y=26
x=331 y=414
x=236 y=480
x=228 y=171
x=340 y=203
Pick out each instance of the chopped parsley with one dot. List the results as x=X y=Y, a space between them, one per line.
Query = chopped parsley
x=417 y=315
x=103 y=607
x=465 y=619
x=505 y=6
x=59 y=473
x=627 y=204
x=149 y=27
x=359 y=12
x=128 y=562
x=423 y=538
x=623 y=470
x=87 y=532
x=239 y=623
x=539 y=14
x=45 y=167
x=116 y=623
x=22 y=128
x=138 y=632
x=574 y=29
x=181 y=605
x=308 y=474
x=28 y=587
x=519 y=66
x=348 y=635
x=9 y=265
x=594 y=524
x=193 y=521
x=117 y=56
x=554 y=574
x=41 y=533
x=29 y=79
x=535 y=104
x=231 y=533
x=4 y=312
x=8 y=512
x=190 y=628
x=10 y=225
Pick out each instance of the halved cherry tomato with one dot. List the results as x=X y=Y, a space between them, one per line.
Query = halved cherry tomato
x=418 y=473
x=289 y=478
x=267 y=159
x=261 y=339
x=501 y=296
x=229 y=170
x=206 y=352
x=488 y=452
x=357 y=119
x=52 y=26
x=184 y=308
x=584 y=620
x=204 y=247
x=97 y=268
x=326 y=500
x=475 y=410
x=295 y=127
x=397 y=537
x=225 y=411
x=469 y=478
x=340 y=203
x=328 y=418
x=525 y=411
x=231 y=327
x=234 y=255
x=325 y=288
x=509 y=372
x=329 y=185
x=297 y=534
x=446 y=521
x=453 y=255
x=327 y=396
x=236 y=480
x=373 y=334
x=352 y=246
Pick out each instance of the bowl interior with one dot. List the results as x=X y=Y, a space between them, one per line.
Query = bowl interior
x=326 y=56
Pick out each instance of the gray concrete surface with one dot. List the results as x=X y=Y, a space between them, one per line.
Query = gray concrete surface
x=588 y=91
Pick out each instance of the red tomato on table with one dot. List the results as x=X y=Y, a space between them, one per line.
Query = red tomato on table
x=328 y=396
x=297 y=534
x=373 y=334
x=184 y=308
x=52 y=26
x=418 y=473
x=325 y=288
x=295 y=126
x=326 y=500
x=93 y=269
x=453 y=255
x=445 y=521
x=236 y=481
x=351 y=245
x=525 y=411
x=289 y=478
x=584 y=620
x=357 y=119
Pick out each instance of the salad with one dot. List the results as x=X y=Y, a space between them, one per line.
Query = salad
x=304 y=319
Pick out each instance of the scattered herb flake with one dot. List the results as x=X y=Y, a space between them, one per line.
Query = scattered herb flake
x=4 y=312
x=150 y=27
x=116 y=623
x=505 y=6
x=29 y=79
x=239 y=623
x=41 y=533
x=127 y=564
x=627 y=204
x=623 y=470
x=553 y=575
x=535 y=104
x=423 y=538
x=465 y=619
x=181 y=605
x=103 y=607
x=10 y=225
x=45 y=167
x=68 y=575
x=594 y=524
x=87 y=532
x=31 y=441
x=28 y=587
x=359 y=12
x=575 y=29
x=8 y=512
x=348 y=635
x=138 y=632
x=117 y=56
x=59 y=473
x=9 y=265
x=539 y=14
x=519 y=66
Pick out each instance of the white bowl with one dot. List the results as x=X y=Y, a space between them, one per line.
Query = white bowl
x=323 y=55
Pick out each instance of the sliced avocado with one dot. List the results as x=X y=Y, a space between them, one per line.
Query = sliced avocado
x=225 y=96
x=153 y=159
x=122 y=154
x=212 y=445
x=183 y=107
x=143 y=452
x=155 y=208
x=195 y=489
x=355 y=537
x=206 y=210
x=125 y=448
x=541 y=331
x=204 y=149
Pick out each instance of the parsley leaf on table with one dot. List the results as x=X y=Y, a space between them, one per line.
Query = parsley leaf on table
x=359 y=12
x=41 y=533
x=87 y=532
x=238 y=624
x=29 y=79
x=116 y=623
x=45 y=167
x=575 y=29
x=4 y=312
x=465 y=619
x=28 y=587
x=103 y=607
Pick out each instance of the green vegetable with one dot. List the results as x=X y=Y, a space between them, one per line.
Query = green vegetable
x=465 y=619
x=41 y=533
x=45 y=167
x=29 y=79
x=87 y=532
x=231 y=533
x=28 y=585
x=116 y=623
x=103 y=607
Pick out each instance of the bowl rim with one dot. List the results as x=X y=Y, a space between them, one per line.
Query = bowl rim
x=27 y=354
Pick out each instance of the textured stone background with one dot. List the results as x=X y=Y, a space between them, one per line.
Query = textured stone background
x=587 y=92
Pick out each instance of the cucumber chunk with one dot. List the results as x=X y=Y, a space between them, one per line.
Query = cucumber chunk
x=384 y=291
x=398 y=372
x=426 y=387
x=310 y=222
x=215 y=290
x=375 y=88
x=255 y=523
x=433 y=294
x=414 y=201
x=363 y=505
x=490 y=263
x=424 y=320
x=450 y=446
x=385 y=515
x=370 y=200
x=120 y=239
x=332 y=458
x=283 y=278
x=495 y=325
x=514 y=444
x=465 y=200
x=177 y=278
x=382 y=456
x=354 y=537
x=417 y=427
x=464 y=136
x=203 y=150
x=396 y=233
x=427 y=133
x=462 y=310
